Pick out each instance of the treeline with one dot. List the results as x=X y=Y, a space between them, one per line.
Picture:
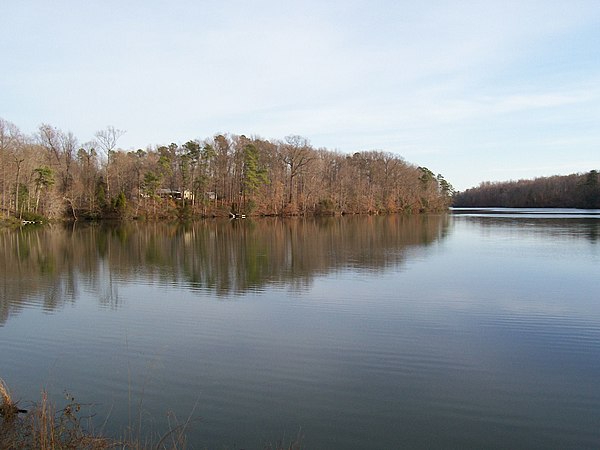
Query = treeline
x=569 y=191
x=52 y=174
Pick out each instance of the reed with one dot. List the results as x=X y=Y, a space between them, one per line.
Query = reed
x=44 y=427
x=6 y=398
x=8 y=406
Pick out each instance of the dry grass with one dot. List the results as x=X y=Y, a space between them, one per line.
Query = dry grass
x=8 y=407
x=5 y=394
x=294 y=444
x=46 y=428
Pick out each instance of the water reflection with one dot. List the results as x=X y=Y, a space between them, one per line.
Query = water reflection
x=565 y=227
x=363 y=334
x=49 y=266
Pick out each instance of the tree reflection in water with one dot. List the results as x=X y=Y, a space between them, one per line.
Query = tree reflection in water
x=48 y=266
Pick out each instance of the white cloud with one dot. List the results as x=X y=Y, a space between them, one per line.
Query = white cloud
x=436 y=80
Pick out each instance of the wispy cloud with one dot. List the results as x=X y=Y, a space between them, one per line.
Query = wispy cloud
x=436 y=80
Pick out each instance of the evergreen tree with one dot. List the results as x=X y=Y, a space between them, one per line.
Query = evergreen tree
x=253 y=175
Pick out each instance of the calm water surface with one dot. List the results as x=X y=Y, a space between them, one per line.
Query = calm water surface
x=467 y=330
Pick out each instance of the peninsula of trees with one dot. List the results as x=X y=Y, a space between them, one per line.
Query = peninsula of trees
x=568 y=191
x=51 y=174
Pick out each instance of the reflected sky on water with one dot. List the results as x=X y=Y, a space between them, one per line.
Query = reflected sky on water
x=469 y=331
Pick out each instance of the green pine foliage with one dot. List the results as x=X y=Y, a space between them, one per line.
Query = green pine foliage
x=53 y=175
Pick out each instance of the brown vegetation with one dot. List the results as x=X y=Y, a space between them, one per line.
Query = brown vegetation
x=51 y=174
x=45 y=428
x=8 y=408
x=569 y=191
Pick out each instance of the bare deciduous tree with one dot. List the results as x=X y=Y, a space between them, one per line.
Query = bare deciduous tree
x=107 y=141
x=221 y=174
x=296 y=153
x=10 y=140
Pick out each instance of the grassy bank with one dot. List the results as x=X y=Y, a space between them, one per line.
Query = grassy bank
x=44 y=427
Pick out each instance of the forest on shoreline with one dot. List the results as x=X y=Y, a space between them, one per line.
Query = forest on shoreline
x=51 y=175
x=559 y=191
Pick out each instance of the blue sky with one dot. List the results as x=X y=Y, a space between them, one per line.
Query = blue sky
x=474 y=90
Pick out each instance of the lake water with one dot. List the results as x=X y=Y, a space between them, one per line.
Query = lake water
x=477 y=329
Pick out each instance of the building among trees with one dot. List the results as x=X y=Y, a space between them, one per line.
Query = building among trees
x=51 y=174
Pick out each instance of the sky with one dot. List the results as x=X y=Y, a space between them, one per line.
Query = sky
x=473 y=90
